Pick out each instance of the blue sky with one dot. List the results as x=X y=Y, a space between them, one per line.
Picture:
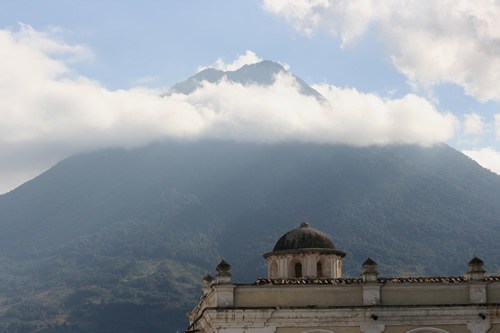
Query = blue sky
x=82 y=75
x=169 y=40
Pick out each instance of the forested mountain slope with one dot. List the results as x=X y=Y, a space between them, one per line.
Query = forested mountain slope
x=117 y=240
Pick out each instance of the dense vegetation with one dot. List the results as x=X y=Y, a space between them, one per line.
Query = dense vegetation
x=117 y=240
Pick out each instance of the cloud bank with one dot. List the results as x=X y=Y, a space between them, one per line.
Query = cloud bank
x=48 y=111
x=488 y=157
x=430 y=42
x=248 y=58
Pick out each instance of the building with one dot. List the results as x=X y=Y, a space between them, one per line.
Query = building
x=306 y=293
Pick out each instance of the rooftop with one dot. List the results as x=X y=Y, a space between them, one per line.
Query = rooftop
x=346 y=281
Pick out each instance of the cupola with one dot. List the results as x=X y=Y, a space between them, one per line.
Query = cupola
x=304 y=252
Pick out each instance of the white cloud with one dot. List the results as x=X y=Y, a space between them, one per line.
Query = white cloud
x=488 y=157
x=473 y=124
x=497 y=125
x=431 y=42
x=365 y=119
x=305 y=15
x=282 y=113
x=48 y=112
x=246 y=59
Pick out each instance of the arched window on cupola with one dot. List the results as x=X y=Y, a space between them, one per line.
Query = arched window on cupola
x=319 y=269
x=295 y=268
x=298 y=269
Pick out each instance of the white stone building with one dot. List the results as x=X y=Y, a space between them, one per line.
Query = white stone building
x=305 y=293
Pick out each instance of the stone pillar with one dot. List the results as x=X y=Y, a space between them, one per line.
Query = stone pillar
x=223 y=273
x=309 y=266
x=477 y=286
x=476 y=269
x=284 y=267
x=370 y=273
x=477 y=292
x=333 y=267
x=224 y=289
x=338 y=262
x=224 y=295
x=371 y=289
x=288 y=268
x=371 y=293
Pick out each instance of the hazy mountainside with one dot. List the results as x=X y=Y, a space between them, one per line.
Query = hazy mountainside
x=117 y=240
x=262 y=73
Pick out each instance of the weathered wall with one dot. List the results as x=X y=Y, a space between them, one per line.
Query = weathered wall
x=328 y=295
x=289 y=296
x=424 y=294
x=495 y=328
x=493 y=293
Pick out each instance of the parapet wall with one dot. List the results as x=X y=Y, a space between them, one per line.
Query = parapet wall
x=355 y=292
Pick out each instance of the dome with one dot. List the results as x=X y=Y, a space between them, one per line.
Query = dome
x=304 y=237
x=304 y=252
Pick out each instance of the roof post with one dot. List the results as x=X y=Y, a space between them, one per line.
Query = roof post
x=370 y=273
x=477 y=287
x=224 y=289
x=476 y=269
x=223 y=273
x=371 y=289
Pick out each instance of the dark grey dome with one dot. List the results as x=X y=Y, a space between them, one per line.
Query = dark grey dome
x=304 y=237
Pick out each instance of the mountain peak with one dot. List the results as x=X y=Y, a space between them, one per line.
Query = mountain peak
x=262 y=73
x=267 y=65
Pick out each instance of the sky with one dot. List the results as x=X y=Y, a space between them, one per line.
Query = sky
x=83 y=75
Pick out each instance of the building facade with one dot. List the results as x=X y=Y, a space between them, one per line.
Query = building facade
x=306 y=293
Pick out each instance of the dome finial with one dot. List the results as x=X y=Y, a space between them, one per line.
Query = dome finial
x=304 y=223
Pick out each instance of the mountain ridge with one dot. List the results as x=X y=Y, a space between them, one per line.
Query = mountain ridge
x=262 y=73
x=136 y=229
